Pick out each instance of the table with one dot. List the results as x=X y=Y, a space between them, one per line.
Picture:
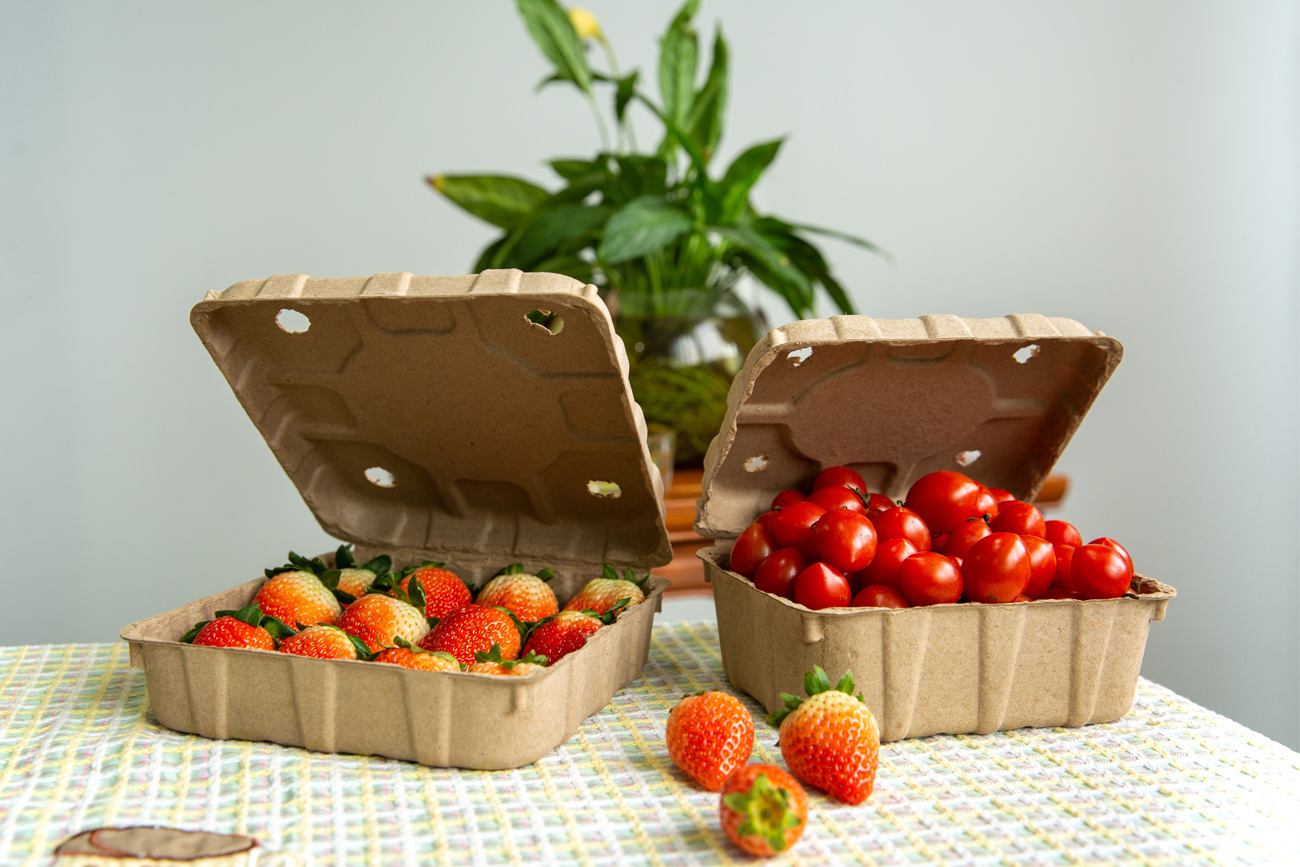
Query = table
x=1171 y=783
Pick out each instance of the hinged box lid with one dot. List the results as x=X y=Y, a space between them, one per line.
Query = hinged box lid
x=480 y=419
x=997 y=399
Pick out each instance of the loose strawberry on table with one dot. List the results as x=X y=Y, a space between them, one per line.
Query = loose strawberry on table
x=529 y=597
x=471 y=628
x=709 y=735
x=603 y=593
x=763 y=809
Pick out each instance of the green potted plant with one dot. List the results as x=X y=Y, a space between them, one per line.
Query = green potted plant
x=663 y=233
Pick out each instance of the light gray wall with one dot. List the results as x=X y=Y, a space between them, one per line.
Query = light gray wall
x=1133 y=166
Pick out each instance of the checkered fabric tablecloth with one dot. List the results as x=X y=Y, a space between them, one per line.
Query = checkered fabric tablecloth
x=1171 y=783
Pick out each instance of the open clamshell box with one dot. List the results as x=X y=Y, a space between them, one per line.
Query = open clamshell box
x=477 y=420
x=997 y=399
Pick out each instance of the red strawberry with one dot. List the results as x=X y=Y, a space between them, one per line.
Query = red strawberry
x=378 y=620
x=466 y=631
x=561 y=634
x=490 y=662
x=709 y=735
x=603 y=593
x=247 y=627
x=407 y=656
x=325 y=642
x=443 y=590
x=763 y=809
x=830 y=740
x=527 y=596
x=298 y=598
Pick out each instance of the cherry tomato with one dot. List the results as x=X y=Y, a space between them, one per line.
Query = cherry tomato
x=777 y=574
x=883 y=569
x=844 y=539
x=792 y=526
x=944 y=499
x=839 y=476
x=902 y=522
x=1062 y=579
x=1022 y=597
x=985 y=503
x=960 y=539
x=929 y=578
x=937 y=542
x=752 y=547
x=785 y=498
x=1111 y=543
x=1000 y=496
x=822 y=586
x=878 y=596
x=1042 y=565
x=877 y=503
x=1019 y=518
x=1062 y=533
x=1059 y=593
x=1100 y=572
x=767 y=518
x=996 y=569
x=838 y=497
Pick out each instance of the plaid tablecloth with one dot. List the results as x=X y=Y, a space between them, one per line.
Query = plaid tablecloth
x=1171 y=783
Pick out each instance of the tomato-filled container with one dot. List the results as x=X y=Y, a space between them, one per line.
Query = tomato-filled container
x=480 y=421
x=996 y=399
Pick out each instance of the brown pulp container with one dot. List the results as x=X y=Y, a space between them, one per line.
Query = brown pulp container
x=479 y=420
x=997 y=399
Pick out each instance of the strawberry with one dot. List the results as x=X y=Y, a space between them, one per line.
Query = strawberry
x=325 y=642
x=490 y=662
x=248 y=627
x=603 y=593
x=443 y=590
x=709 y=735
x=560 y=634
x=763 y=809
x=467 y=630
x=830 y=740
x=408 y=656
x=297 y=598
x=378 y=619
x=354 y=579
x=527 y=596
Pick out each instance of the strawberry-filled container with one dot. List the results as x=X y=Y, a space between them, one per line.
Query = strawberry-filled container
x=996 y=399
x=479 y=421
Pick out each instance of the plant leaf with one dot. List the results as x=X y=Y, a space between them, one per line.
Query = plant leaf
x=551 y=29
x=771 y=266
x=844 y=236
x=547 y=231
x=678 y=61
x=502 y=200
x=643 y=225
x=572 y=168
x=623 y=94
x=485 y=258
x=741 y=176
x=704 y=123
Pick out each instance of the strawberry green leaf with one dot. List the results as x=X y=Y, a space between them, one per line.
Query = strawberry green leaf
x=534 y=657
x=767 y=811
x=345 y=599
x=415 y=593
x=343 y=557
x=279 y=631
x=330 y=578
x=846 y=683
x=609 y=572
x=546 y=574
x=493 y=655
x=816 y=681
x=379 y=565
x=188 y=638
x=363 y=651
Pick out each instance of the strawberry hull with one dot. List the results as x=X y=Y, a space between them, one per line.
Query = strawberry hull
x=996 y=399
x=429 y=419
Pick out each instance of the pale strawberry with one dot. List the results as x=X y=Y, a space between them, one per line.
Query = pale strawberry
x=709 y=735
x=467 y=630
x=830 y=740
x=246 y=628
x=325 y=642
x=528 y=597
x=298 y=598
x=443 y=590
x=763 y=809
x=563 y=633
x=350 y=578
x=408 y=656
x=355 y=581
x=490 y=662
x=602 y=594
x=378 y=620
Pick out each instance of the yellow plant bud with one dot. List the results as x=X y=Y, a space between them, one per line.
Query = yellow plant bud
x=585 y=23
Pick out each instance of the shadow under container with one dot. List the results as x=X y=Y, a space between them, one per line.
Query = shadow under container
x=997 y=399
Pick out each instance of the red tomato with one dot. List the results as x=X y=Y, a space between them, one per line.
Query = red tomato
x=1100 y=572
x=1042 y=565
x=785 y=498
x=822 y=586
x=985 y=503
x=929 y=578
x=960 y=539
x=877 y=596
x=1059 y=593
x=996 y=569
x=832 y=476
x=838 y=497
x=767 y=518
x=844 y=539
x=793 y=525
x=902 y=522
x=1111 y=543
x=1019 y=518
x=777 y=574
x=944 y=499
x=937 y=542
x=1062 y=579
x=1022 y=597
x=1062 y=533
x=883 y=570
x=1000 y=496
x=877 y=503
x=752 y=547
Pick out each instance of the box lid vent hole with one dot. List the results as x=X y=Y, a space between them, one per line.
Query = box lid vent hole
x=292 y=321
